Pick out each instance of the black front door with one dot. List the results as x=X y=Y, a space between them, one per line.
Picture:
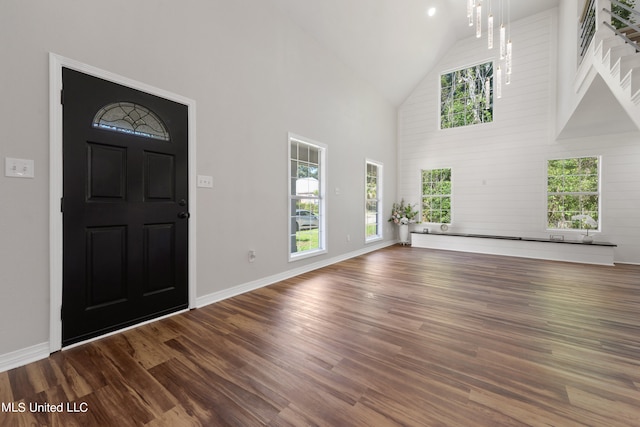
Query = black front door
x=125 y=206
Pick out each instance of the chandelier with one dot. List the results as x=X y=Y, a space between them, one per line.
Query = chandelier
x=474 y=16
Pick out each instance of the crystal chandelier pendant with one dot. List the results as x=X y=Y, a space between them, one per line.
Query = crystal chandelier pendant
x=487 y=93
x=503 y=41
x=470 y=7
x=509 y=57
x=479 y=20
x=490 y=31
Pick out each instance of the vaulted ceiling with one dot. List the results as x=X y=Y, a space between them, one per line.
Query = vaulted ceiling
x=393 y=44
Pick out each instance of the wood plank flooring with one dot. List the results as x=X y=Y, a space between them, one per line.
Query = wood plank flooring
x=398 y=337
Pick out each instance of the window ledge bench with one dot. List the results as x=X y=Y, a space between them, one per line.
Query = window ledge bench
x=556 y=250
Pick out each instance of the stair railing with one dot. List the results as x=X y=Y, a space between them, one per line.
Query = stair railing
x=607 y=13
x=587 y=27
x=631 y=32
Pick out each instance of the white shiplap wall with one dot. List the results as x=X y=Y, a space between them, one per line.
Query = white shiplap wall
x=499 y=168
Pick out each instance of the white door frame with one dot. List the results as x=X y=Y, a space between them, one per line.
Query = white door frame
x=56 y=63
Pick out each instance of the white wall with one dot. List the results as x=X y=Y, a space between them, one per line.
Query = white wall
x=499 y=169
x=569 y=16
x=254 y=75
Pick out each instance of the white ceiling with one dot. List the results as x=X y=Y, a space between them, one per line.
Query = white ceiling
x=392 y=43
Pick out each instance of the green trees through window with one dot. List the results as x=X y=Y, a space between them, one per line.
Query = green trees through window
x=466 y=96
x=624 y=13
x=573 y=188
x=436 y=196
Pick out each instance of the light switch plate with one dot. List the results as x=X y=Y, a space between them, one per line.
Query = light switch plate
x=18 y=168
x=205 y=181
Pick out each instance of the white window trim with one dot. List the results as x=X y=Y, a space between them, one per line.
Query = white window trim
x=322 y=225
x=379 y=191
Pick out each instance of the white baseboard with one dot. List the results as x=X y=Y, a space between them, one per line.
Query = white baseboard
x=24 y=356
x=627 y=263
x=266 y=281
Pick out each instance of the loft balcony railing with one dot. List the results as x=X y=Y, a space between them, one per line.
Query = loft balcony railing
x=587 y=27
x=615 y=15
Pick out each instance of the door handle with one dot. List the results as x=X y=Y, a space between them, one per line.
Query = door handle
x=184 y=215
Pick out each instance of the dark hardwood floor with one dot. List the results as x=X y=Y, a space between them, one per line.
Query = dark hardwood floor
x=398 y=337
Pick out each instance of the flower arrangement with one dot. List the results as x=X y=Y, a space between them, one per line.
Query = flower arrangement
x=402 y=213
x=587 y=220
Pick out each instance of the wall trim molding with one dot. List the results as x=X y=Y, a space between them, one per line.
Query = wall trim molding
x=270 y=280
x=24 y=356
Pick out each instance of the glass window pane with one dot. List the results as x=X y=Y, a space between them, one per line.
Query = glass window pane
x=572 y=183
x=570 y=166
x=306 y=232
x=589 y=183
x=573 y=189
x=131 y=118
x=303 y=170
x=555 y=168
x=313 y=172
x=436 y=200
x=554 y=184
x=314 y=155
x=303 y=152
x=463 y=96
x=373 y=206
x=589 y=165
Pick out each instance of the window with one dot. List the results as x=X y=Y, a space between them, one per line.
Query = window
x=131 y=118
x=436 y=196
x=306 y=197
x=466 y=96
x=373 y=201
x=573 y=188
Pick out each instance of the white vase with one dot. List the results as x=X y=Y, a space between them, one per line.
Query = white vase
x=404 y=233
x=587 y=239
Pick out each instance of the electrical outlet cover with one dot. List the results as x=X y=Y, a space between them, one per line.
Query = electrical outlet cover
x=18 y=168
x=205 y=181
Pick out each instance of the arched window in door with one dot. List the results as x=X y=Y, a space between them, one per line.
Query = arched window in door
x=131 y=118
